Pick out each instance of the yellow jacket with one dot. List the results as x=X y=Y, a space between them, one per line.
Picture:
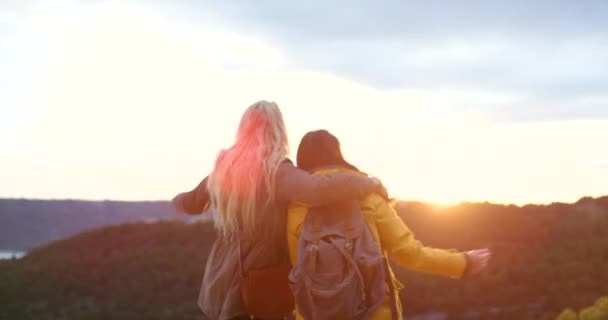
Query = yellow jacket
x=394 y=238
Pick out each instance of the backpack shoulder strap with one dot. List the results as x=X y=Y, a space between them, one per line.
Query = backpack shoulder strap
x=353 y=220
x=391 y=288
x=316 y=238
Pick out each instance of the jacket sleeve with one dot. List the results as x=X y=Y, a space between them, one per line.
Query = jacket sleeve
x=295 y=184
x=399 y=243
x=194 y=201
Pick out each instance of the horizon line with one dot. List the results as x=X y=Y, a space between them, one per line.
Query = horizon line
x=433 y=203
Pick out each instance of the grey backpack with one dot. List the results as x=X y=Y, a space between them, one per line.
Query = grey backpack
x=340 y=272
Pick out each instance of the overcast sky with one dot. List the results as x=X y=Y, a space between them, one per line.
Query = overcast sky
x=505 y=101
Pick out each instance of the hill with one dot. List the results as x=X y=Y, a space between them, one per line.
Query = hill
x=129 y=271
x=25 y=224
x=546 y=259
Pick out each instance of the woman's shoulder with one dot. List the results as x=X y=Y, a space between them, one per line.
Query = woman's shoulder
x=374 y=201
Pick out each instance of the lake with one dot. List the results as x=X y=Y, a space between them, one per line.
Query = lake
x=11 y=254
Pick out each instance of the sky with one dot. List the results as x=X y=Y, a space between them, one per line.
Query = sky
x=500 y=101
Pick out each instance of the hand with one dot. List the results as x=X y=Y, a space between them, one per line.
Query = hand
x=478 y=260
x=178 y=204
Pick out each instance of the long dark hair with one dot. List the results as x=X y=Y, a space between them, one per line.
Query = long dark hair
x=320 y=149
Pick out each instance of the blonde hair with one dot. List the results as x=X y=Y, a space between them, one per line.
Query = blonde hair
x=245 y=173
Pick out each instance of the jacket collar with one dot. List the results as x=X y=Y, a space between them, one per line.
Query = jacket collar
x=335 y=169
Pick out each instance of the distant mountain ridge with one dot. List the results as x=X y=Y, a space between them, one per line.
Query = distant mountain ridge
x=25 y=223
x=28 y=223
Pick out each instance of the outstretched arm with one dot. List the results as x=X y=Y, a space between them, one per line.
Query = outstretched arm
x=295 y=184
x=400 y=244
x=194 y=201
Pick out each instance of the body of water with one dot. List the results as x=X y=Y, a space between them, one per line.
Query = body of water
x=11 y=254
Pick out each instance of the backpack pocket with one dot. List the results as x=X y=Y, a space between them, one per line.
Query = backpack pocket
x=331 y=293
x=323 y=296
x=371 y=269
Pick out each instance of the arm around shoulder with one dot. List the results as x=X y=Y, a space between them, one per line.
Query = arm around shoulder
x=295 y=184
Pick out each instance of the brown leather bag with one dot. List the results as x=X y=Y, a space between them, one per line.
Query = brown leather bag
x=265 y=292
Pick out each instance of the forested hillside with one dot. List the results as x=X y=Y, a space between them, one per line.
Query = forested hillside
x=546 y=259
x=130 y=271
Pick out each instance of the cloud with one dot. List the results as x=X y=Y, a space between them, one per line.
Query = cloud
x=550 y=51
x=561 y=69
x=547 y=57
x=318 y=20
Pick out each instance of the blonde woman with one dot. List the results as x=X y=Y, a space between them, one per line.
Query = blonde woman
x=249 y=189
